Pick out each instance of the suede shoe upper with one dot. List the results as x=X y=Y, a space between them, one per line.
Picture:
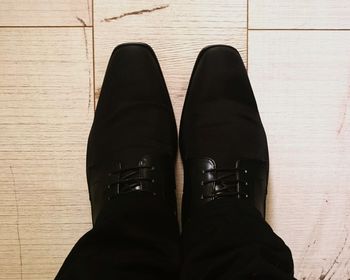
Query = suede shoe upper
x=222 y=140
x=133 y=140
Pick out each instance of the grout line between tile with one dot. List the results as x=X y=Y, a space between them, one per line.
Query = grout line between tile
x=48 y=26
x=247 y=35
x=297 y=29
x=93 y=53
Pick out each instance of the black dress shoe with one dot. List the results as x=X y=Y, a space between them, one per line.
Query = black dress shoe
x=133 y=140
x=222 y=140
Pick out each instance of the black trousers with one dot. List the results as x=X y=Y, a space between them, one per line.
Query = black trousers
x=137 y=237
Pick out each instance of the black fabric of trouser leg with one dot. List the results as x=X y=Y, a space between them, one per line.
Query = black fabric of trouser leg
x=136 y=237
x=228 y=239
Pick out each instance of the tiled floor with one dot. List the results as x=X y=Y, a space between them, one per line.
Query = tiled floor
x=53 y=56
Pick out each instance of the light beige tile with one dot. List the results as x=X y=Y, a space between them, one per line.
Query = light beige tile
x=301 y=81
x=299 y=14
x=45 y=13
x=46 y=101
x=52 y=234
x=10 y=266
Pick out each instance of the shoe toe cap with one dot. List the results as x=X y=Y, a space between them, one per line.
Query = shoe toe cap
x=220 y=73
